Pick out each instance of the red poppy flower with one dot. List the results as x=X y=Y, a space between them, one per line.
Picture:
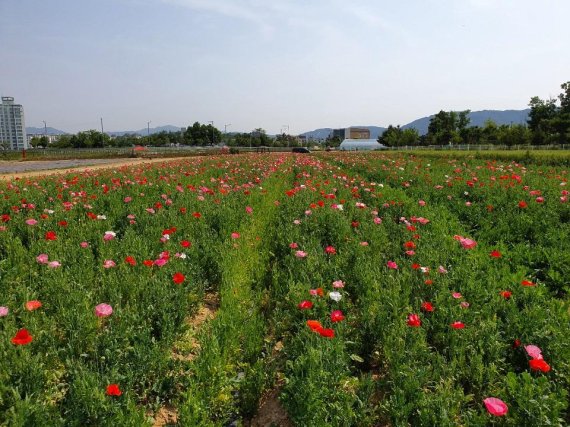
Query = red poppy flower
x=327 y=333
x=330 y=250
x=428 y=282
x=178 y=278
x=458 y=325
x=62 y=223
x=197 y=215
x=182 y=210
x=148 y=262
x=113 y=390
x=414 y=320
x=495 y=254
x=50 y=235
x=33 y=305
x=522 y=204
x=505 y=294
x=185 y=244
x=22 y=337
x=410 y=245
x=305 y=305
x=527 y=283
x=354 y=224
x=130 y=260
x=427 y=306
x=5 y=218
x=315 y=325
x=415 y=266
x=539 y=365
x=337 y=316
x=516 y=343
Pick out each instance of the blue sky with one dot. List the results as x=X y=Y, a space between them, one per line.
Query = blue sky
x=269 y=63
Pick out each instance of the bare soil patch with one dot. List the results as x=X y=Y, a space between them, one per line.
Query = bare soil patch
x=188 y=345
x=271 y=412
x=45 y=168
x=167 y=415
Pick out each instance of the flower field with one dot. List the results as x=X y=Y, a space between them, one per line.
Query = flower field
x=362 y=289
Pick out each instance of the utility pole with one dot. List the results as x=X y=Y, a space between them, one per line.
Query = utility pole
x=102 y=125
x=45 y=128
x=286 y=127
x=148 y=130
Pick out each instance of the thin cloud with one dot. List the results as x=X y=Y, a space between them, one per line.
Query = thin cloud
x=246 y=10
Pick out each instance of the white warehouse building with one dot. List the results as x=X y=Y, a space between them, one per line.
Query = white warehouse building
x=360 y=144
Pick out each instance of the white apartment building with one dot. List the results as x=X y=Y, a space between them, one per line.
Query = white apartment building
x=12 y=125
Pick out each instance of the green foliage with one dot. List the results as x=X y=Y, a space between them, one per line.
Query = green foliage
x=202 y=135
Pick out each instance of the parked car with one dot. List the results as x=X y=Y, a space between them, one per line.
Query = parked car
x=301 y=150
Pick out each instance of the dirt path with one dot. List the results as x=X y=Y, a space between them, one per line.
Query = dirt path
x=12 y=170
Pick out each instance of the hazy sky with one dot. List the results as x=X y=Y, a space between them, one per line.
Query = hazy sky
x=269 y=63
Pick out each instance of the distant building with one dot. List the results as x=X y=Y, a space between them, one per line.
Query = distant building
x=51 y=138
x=351 y=133
x=12 y=125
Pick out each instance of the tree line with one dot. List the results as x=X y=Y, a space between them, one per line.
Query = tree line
x=196 y=135
x=548 y=123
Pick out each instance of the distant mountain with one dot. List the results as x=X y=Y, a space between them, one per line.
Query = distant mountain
x=145 y=131
x=321 y=133
x=478 y=118
x=41 y=131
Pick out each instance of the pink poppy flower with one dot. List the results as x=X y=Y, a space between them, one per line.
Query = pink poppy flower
x=392 y=265
x=496 y=406
x=363 y=243
x=160 y=262
x=293 y=245
x=31 y=221
x=464 y=304
x=103 y=310
x=468 y=243
x=456 y=295
x=109 y=263
x=235 y=235
x=248 y=210
x=4 y=311
x=127 y=199
x=84 y=245
x=534 y=351
x=338 y=284
x=421 y=203
x=300 y=254
x=377 y=220
x=42 y=258
x=109 y=235
x=54 y=264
